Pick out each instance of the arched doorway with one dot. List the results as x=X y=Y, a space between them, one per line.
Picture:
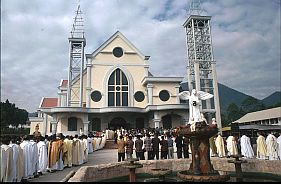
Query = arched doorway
x=95 y=125
x=167 y=121
x=118 y=123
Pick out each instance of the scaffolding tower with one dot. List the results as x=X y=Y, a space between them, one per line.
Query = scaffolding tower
x=201 y=70
x=77 y=43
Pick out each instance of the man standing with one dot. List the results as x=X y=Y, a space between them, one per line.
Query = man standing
x=185 y=147
x=138 y=146
x=279 y=145
x=27 y=155
x=148 y=146
x=76 y=154
x=272 y=147
x=15 y=149
x=121 y=148
x=6 y=160
x=170 y=147
x=129 y=147
x=67 y=158
x=35 y=157
x=231 y=145
x=178 y=142
x=261 y=146
x=213 y=149
x=246 y=147
x=155 y=141
x=220 y=146
x=42 y=155
x=164 y=147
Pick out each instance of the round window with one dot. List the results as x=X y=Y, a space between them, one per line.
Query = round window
x=118 y=52
x=164 y=95
x=96 y=96
x=139 y=96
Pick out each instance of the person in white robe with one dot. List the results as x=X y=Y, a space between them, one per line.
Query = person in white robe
x=27 y=155
x=6 y=160
x=81 y=150
x=219 y=142
x=35 y=157
x=15 y=149
x=85 y=148
x=272 y=147
x=279 y=145
x=231 y=146
x=90 y=144
x=42 y=156
x=261 y=146
x=246 y=147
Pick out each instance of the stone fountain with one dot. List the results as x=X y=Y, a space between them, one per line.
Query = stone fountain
x=199 y=133
x=201 y=168
x=238 y=169
x=132 y=168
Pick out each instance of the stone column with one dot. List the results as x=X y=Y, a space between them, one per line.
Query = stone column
x=177 y=93
x=156 y=120
x=88 y=85
x=197 y=75
x=86 y=125
x=150 y=94
x=190 y=86
x=54 y=124
x=216 y=96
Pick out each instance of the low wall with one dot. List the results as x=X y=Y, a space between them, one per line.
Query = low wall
x=112 y=170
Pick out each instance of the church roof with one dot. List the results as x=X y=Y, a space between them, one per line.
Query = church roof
x=48 y=102
x=117 y=34
x=260 y=115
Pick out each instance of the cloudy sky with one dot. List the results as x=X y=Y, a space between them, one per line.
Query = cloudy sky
x=34 y=41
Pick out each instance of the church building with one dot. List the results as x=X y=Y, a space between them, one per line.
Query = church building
x=113 y=88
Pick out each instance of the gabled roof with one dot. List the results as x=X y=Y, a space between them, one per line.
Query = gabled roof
x=48 y=102
x=260 y=115
x=107 y=42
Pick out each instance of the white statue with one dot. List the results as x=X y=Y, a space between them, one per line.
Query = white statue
x=194 y=103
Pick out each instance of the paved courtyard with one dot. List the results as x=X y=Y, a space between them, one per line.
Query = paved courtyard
x=98 y=157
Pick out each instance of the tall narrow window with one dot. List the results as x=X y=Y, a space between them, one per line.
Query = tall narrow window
x=72 y=124
x=118 y=89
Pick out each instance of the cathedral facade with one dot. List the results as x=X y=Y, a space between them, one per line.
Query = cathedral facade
x=117 y=91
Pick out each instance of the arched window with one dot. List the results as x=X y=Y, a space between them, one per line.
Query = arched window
x=72 y=124
x=118 y=89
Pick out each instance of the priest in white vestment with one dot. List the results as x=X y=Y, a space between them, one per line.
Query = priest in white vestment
x=90 y=144
x=6 y=161
x=279 y=146
x=219 y=142
x=27 y=155
x=85 y=148
x=231 y=145
x=261 y=146
x=81 y=150
x=42 y=156
x=15 y=149
x=35 y=157
x=272 y=147
x=246 y=147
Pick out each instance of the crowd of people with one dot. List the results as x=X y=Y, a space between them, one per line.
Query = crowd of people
x=147 y=144
x=30 y=156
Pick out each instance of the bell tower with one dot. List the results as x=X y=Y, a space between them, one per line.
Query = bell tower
x=201 y=66
x=77 y=44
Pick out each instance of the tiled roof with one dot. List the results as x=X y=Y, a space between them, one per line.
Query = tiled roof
x=49 y=103
x=260 y=115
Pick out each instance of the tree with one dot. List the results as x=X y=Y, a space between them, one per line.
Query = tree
x=233 y=113
x=10 y=114
x=251 y=104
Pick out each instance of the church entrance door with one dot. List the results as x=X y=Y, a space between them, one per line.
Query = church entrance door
x=117 y=123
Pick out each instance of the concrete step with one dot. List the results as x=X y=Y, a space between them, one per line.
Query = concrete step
x=110 y=144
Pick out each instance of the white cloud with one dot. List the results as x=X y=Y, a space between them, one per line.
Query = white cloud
x=246 y=41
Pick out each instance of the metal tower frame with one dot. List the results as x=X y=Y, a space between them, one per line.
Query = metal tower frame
x=76 y=61
x=201 y=70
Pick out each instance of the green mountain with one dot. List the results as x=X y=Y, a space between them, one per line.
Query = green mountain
x=272 y=99
x=228 y=95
